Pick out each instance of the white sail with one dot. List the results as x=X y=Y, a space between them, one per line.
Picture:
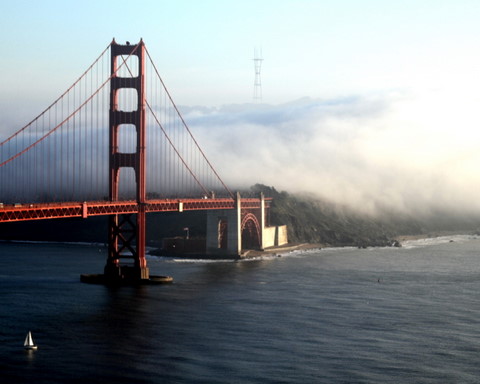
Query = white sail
x=29 y=341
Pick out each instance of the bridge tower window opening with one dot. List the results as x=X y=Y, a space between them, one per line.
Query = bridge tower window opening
x=127 y=99
x=130 y=67
x=126 y=187
x=127 y=138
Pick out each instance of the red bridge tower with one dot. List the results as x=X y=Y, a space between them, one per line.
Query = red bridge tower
x=126 y=239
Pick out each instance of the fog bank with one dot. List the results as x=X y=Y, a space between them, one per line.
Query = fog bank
x=395 y=150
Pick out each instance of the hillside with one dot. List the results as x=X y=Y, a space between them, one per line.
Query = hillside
x=312 y=220
x=315 y=221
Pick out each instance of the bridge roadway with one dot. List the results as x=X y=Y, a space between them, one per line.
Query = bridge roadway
x=24 y=212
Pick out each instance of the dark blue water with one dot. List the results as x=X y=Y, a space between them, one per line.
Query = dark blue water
x=408 y=315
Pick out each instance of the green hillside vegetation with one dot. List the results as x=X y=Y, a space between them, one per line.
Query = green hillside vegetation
x=310 y=220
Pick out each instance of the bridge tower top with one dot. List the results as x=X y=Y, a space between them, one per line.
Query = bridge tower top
x=119 y=117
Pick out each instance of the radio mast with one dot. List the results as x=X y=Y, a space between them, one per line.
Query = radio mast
x=257 y=85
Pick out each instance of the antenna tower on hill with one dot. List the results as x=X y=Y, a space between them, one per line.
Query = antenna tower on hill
x=257 y=86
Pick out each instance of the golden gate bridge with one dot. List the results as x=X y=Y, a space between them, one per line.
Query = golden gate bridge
x=114 y=143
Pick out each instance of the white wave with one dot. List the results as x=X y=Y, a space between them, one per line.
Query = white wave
x=173 y=259
x=429 y=241
x=202 y=261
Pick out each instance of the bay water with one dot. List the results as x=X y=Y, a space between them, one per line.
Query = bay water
x=340 y=315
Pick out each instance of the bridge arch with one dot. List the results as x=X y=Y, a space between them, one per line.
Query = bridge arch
x=251 y=232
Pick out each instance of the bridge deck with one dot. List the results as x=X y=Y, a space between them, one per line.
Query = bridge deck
x=23 y=212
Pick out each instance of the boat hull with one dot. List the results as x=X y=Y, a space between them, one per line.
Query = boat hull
x=31 y=347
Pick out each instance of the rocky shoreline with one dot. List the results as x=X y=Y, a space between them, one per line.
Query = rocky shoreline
x=397 y=242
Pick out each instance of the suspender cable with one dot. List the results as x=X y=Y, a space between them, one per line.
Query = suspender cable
x=59 y=98
x=68 y=118
x=186 y=127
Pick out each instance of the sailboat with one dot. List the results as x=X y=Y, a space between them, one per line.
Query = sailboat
x=29 y=344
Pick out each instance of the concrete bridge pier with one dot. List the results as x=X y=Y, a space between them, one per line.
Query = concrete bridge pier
x=230 y=232
x=224 y=231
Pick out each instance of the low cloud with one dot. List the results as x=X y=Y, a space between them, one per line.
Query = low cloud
x=412 y=153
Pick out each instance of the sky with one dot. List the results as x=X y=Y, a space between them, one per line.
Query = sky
x=367 y=102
